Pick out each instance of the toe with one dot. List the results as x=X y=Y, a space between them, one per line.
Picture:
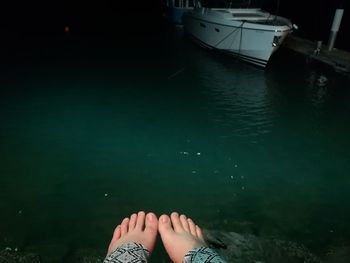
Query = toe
x=132 y=222
x=192 y=227
x=124 y=226
x=117 y=233
x=116 y=236
x=184 y=223
x=151 y=222
x=140 y=221
x=199 y=232
x=151 y=227
x=164 y=224
x=175 y=220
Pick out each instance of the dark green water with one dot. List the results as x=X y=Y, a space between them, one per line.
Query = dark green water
x=93 y=129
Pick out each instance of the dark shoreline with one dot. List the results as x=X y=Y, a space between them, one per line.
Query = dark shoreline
x=234 y=247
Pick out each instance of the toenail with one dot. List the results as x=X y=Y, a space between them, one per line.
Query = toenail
x=164 y=219
x=150 y=217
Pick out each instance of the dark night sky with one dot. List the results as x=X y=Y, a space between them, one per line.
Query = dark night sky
x=100 y=16
x=314 y=17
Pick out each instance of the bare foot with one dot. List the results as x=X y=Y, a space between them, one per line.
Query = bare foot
x=179 y=235
x=139 y=228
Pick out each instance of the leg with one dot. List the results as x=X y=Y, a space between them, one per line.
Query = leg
x=134 y=239
x=183 y=240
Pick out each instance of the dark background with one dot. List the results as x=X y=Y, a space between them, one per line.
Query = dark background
x=313 y=17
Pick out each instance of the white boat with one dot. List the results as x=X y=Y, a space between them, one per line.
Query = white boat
x=175 y=9
x=251 y=34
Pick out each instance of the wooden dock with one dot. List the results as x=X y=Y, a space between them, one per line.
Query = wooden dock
x=339 y=60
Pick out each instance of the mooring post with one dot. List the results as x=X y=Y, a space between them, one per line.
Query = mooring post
x=335 y=28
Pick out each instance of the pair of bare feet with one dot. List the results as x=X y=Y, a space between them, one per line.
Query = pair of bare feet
x=179 y=233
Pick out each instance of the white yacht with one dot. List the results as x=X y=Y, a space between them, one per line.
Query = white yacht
x=251 y=34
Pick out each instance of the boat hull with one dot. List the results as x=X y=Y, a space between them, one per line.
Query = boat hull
x=251 y=42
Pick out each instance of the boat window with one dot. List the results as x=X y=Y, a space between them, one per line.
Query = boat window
x=217 y=29
x=202 y=25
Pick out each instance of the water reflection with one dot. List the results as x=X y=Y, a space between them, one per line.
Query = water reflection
x=238 y=97
x=317 y=88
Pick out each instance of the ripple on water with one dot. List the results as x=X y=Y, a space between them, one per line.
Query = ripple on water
x=239 y=102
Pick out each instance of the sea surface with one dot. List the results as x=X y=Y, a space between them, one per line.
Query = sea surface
x=94 y=128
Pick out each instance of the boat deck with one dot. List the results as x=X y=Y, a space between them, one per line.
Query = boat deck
x=255 y=16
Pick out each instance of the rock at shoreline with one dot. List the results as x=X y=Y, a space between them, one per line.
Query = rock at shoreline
x=10 y=256
x=248 y=248
x=88 y=256
x=234 y=247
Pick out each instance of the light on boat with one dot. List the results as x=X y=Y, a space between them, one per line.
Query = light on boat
x=276 y=41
